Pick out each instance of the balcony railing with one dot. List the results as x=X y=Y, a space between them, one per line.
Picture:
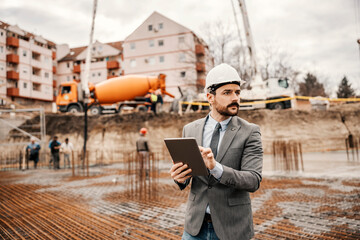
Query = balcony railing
x=77 y=69
x=12 y=58
x=53 y=55
x=200 y=67
x=110 y=76
x=12 y=75
x=112 y=64
x=12 y=92
x=12 y=41
x=54 y=84
x=54 y=69
x=199 y=49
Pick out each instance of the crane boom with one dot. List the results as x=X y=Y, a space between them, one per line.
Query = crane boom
x=249 y=40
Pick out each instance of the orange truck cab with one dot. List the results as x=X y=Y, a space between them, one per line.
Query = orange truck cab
x=110 y=95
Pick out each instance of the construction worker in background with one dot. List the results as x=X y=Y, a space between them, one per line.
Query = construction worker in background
x=151 y=98
x=54 y=146
x=32 y=151
x=143 y=149
x=219 y=205
x=67 y=149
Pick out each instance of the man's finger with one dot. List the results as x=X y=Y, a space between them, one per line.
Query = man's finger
x=182 y=180
x=180 y=169
x=176 y=166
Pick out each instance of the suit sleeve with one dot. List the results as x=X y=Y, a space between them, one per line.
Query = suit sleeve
x=183 y=185
x=249 y=177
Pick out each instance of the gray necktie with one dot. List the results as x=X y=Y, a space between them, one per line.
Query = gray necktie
x=215 y=139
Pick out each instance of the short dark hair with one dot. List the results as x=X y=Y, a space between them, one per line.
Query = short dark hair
x=55 y=137
x=66 y=139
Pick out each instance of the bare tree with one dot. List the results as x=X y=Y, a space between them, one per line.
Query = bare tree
x=219 y=35
x=276 y=63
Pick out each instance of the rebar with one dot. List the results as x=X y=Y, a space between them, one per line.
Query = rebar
x=287 y=156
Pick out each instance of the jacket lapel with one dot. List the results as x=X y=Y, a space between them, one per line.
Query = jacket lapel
x=199 y=131
x=199 y=137
x=229 y=135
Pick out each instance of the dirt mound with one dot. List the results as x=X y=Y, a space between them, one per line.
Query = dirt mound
x=316 y=130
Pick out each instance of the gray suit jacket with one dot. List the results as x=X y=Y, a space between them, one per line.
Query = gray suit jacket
x=241 y=156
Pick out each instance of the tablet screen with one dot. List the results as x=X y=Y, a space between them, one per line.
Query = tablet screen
x=186 y=150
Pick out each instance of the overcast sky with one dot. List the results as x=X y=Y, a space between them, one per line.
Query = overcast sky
x=320 y=35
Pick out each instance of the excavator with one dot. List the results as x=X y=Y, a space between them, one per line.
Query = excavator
x=111 y=95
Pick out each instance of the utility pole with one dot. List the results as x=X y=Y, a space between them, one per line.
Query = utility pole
x=85 y=80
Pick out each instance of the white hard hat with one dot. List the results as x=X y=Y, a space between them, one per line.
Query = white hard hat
x=223 y=73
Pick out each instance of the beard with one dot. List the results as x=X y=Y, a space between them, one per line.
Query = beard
x=225 y=111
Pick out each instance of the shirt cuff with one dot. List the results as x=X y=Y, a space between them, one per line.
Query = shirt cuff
x=217 y=171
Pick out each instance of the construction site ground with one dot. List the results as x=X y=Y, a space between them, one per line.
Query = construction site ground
x=321 y=201
x=49 y=204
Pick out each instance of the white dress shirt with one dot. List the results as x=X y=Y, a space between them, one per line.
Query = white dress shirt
x=209 y=127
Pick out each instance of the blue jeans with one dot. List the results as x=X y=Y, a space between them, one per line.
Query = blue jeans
x=206 y=233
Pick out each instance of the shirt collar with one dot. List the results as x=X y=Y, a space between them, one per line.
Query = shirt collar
x=223 y=123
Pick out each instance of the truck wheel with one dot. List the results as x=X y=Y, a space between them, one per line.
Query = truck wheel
x=278 y=105
x=95 y=110
x=73 y=109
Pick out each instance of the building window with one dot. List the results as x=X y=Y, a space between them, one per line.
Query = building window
x=182 y=74
x=25 y=85
x=161 y=59
x=161 y=25
x=182 y=57
x=25 y=70
x=161 y=42
x=2 y=33
x=68 y=78
x=132 y=63
x=2 y=67
x=46 y=75
x=151 y=43
x=181 y=39
x=68 y=65
x=99 y=74
x=93 y=74
x=151 y=60
x=1 y=49
x=36 y=87
x=150 y=27
x=132 y=46
x=24 y=53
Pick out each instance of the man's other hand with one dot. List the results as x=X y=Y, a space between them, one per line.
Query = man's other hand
x=179 y=172
x=208 y=157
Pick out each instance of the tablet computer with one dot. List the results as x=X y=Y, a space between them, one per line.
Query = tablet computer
x=186 y=150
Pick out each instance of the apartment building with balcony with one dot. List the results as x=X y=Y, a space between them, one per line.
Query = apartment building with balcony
x=27 y=66
x=106 y=61
x=160 y=45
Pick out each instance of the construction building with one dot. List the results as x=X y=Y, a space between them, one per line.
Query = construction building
x=160 y=45
x=27 y=66
x=106 y=59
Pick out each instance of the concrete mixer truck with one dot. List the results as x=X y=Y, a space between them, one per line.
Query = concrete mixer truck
x=110 y=95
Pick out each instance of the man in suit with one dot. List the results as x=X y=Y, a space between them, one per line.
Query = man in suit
x=219 y=205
